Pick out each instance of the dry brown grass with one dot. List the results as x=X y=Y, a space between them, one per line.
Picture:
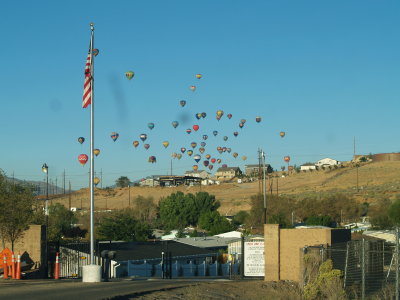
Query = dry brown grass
x=380 y=178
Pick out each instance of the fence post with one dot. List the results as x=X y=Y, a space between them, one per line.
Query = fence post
x=397 y=263
x=242 y=258
x=346 y=265
x=363 y=270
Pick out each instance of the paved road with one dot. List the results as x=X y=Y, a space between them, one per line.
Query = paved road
x=73 y=289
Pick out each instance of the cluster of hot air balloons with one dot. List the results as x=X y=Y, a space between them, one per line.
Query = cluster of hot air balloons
x=208 y=159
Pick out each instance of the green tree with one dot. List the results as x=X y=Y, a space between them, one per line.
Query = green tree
x=122 y=182
x=61 y=222
x=179 y=210
x=319 y=220
x=394 y=212
x=122 y=226
x=16 y=205
x=145 y=209
x=214 y=223
x=241 y=217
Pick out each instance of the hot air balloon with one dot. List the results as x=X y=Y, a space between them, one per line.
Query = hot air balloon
x=96 y=152
x=218 y=118
x=215 y=133
x=213 y=160
x=192 y=88
x=143 y=137
x=208 y=156
x=183 y=149
x=282 y=133
x=135 y=143
x=219 y=160
x=225 y=138
x=179 y=156
x=81 y=140
x=198 y=116
x=203 y=115
x=241 y=125
x=205 y=136
x=188 y=131
x=228 y=150
x=146 y=146
x=175 y=124
x=129 y=74
x=202 y=150
x=197 y=158
x=229 y=116
x=235 y=154
x=244 y=157
x=210 y=167
x=83 y=158
x=95 y=52
x=224 y=149
x=196 y=127
x=193 y=144
x=195 y=167
x=220 y=113
x=287 y=158
x=189 y=152
x=243 y=121
x=203 y=144
x=114 y=136
x=258 y=119
x=150 y=125
x=224 y=166
x=235 y=133
x=182 y=103
x=96 y=181
x=198 y=76
x=173 y=154
x=165 y=144
x=206 y=163
x=152 y=159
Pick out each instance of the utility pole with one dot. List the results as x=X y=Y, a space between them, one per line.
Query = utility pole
x=171 y=167
x=101 y=178
x=259 y=171
x=56 y=187
x=356 y=163
x=264 y=190
x=64 y=181
x=69 y=196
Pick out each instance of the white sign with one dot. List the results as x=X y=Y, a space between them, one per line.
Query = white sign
x=254 y=259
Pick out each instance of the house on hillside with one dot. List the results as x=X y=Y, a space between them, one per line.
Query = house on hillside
x=227 y=173
x=252 y=170
x=198 y=173
x=149 y=181
x=326 y=162
x=308 y=166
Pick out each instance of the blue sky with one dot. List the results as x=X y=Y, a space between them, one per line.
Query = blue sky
x=322 y=71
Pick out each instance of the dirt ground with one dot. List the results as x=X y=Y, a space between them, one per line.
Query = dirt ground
x=225 y=290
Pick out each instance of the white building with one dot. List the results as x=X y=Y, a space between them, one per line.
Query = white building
x=325 y=162
x=199 y=173
x=308 y=166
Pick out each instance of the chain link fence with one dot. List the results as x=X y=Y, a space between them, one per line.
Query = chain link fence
x=370 y=268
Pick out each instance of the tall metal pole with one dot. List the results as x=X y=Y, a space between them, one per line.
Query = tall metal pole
x=264 y=188
x=92 y=261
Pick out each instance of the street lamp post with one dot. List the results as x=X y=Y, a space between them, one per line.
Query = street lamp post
x=45 y=169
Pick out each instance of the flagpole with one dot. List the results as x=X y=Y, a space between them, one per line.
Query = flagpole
x=92 y=261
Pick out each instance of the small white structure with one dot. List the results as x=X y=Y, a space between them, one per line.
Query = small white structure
x=308 y=166
x=199 y=173
x=327 y=162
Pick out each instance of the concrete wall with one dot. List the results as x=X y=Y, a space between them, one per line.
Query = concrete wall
x=33 y=243
x=282 y=248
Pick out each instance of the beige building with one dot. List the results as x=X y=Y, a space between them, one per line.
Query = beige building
x=199 y=173
x=227 y=173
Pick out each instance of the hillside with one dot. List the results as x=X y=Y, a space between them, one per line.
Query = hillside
x=376 y=179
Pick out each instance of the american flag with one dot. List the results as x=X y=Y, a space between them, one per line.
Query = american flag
x=87 y=86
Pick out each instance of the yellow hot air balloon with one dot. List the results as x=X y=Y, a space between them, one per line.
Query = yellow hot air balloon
x=282 y=133
x=198 y=76
x=96 y=181
x=129 y=74
x=244 y=157
x=165 y=144
x=195 y=167
x=96 y=152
